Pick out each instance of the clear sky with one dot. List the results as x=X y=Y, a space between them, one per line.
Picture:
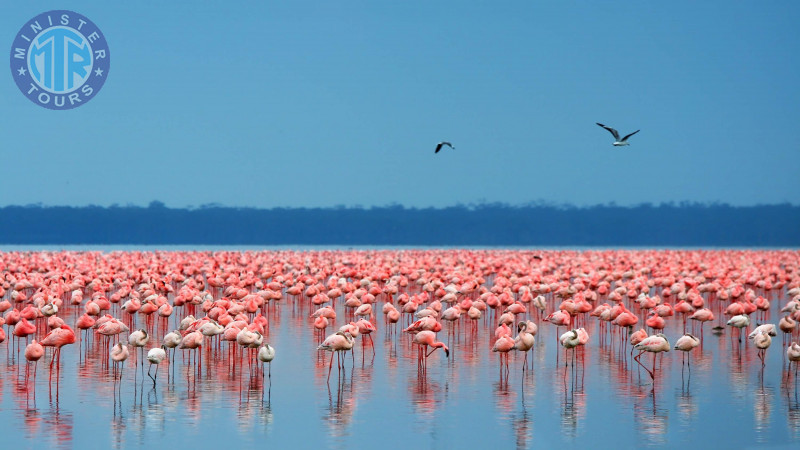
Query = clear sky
x=292 y=103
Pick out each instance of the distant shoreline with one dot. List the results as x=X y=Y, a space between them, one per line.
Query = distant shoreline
x=490 y=226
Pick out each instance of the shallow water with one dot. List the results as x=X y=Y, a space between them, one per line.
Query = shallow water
x=602 y=398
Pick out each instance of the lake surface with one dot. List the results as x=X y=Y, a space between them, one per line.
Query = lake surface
x=602 y=399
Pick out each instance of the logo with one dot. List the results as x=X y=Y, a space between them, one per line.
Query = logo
x=60 y=59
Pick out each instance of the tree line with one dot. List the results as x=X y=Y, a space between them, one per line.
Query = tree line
x=495 y=224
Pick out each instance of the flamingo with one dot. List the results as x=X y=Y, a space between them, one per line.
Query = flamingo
x=502 y=330
x=156 y=356
x=365 y=328
x=504 y=345
x=193 y=341
x=172 y=340
x=569 y=340
x=687 y=343
x=33 y=352
x=119 y=353
x=266 y=354
x=341 y=341
x=425 y=339
x=525 y=340
x=787 y=325
x=739 y=321
x=654 y=344
x=138 y=339
x=540 y=303
x=424 y=324
x=702 y=315
x=767 y=328
x=793 y=355
x=24 y=329
x=58 y=338
x=762 y=340
x=559 y=319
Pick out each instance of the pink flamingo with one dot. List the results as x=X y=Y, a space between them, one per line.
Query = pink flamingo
x=33 y=352
x=503 y=345
x=686 y=344
x=525 y=339
x=427 y=339
x=119 y=353
x=58 y=338
x=341 y=341
x=793 y=354
x=762 y=342
x=193 y=341
x=569 y=340
x=654 y=344
x=702 y=315
x=365 y=328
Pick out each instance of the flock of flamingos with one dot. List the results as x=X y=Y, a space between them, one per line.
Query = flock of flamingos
x=148 y=306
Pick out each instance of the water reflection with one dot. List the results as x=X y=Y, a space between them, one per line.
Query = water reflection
x=686 y=405
x=652 y=420
x=423 y=397
x=793 y=414
x=59 y=427
x=522 y=419
x=573 y=408
x=762 y=409
x=341 y=406
x=119 y=425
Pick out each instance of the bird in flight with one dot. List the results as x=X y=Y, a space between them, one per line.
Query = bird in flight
x=440 y=144
x=619 y=142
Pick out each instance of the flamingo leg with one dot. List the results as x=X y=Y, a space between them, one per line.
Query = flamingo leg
x=653 y=373
x=330 y=366
x=640 y=363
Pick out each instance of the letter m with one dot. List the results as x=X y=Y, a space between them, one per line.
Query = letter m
x=19 y=53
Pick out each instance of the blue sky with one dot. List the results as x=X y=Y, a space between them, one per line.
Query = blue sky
x=267 y=103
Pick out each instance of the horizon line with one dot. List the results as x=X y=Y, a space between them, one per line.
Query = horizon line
x=394 y=205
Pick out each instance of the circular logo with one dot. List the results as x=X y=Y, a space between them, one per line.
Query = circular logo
x=60 y=59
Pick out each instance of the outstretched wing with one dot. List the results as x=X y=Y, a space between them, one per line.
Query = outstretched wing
x=626 y=137
x=439 y=146
x=610 y=130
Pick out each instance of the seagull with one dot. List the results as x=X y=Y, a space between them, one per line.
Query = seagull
x=439 y=146
x=619 y=142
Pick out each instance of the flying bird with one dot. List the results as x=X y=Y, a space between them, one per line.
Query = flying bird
x=619 y=142
x=439 y=146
